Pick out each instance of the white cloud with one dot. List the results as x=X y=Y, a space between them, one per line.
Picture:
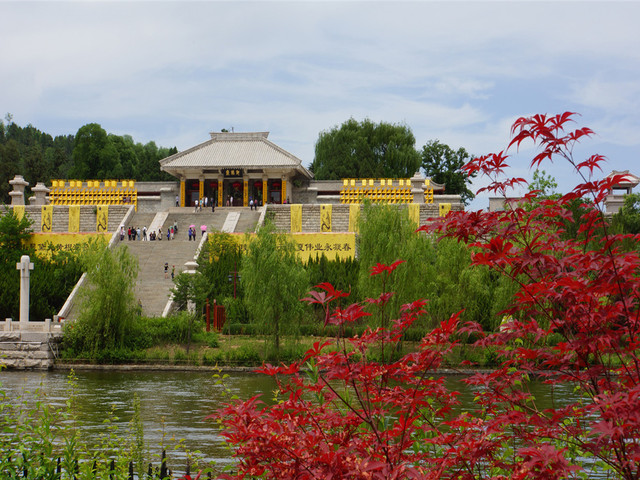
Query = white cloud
x=457 y=71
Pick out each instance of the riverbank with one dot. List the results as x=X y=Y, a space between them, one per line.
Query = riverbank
x=66 y=366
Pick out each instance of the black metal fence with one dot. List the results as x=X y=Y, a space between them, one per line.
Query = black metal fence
x=18 y=469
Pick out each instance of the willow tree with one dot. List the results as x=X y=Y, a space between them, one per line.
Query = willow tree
x=365 y=150
x=387 y=234
x=273 y=281
x=108 y=303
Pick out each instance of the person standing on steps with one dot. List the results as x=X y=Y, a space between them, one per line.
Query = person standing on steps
x=166 y=269
x=177 y=201
x=173 y=272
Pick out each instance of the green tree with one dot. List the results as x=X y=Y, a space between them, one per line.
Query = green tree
x=365 y=150
x=9 y=167
x=94 y=155
x=546 y=185
x=387 y=234
x=627 y=219
x=127 y=153
x=52 y=280
x=444 y=165
x=34 y=166
x=107 y=300
x=221 y=256
x=273 y=282
x=13 y=232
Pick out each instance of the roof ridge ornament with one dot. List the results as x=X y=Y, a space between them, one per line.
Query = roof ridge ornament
x=218 y=136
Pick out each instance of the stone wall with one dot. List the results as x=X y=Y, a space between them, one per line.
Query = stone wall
x=281 y=215
x=20 y=351
x=60 y=221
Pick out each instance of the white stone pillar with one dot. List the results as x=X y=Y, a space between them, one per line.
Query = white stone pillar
x=190 y=268
x=24 y=266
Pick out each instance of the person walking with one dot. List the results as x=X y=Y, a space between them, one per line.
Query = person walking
x=173 y=271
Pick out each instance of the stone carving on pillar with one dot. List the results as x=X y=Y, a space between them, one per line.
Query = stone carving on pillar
x=40 y=194
x=17 y=195
x=25 y=266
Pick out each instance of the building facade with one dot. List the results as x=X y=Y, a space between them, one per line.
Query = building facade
x=231 y=169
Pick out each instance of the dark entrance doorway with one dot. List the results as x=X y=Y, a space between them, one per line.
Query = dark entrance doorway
x=191 y=192
x=233 y=190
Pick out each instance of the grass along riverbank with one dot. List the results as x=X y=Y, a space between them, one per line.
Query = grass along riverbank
x=249 y=351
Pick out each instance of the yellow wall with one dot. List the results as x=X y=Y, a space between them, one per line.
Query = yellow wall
x=325 y=217
x=74 y=218
x=61 y=241
x=296 y=218
x=310 y=245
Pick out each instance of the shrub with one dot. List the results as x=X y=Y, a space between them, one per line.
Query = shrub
x=244 y=355
x=179 y=356
x=212 y=358
x=346 y=416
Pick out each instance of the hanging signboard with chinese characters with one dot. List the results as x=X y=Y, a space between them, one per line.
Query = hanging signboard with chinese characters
x=232 y=172
x=46 y=243
x=311 y=245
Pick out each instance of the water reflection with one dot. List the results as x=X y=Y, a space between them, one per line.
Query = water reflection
x=175 y=404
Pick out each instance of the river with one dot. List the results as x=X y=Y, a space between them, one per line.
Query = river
x=174 y=404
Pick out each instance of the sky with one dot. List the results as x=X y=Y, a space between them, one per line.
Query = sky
x=459 y=72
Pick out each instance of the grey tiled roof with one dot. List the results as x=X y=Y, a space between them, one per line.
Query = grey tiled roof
x=243 y=150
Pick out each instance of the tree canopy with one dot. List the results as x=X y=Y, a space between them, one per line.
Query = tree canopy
x=444 y=165
x=628 y=217
x=90 y=154
x=365 y=150
x=273 y=283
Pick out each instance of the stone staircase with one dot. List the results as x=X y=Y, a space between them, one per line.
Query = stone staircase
x=153 y=290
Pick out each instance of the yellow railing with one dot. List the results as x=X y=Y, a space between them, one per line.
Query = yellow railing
x=384 y=190
x=93 y=192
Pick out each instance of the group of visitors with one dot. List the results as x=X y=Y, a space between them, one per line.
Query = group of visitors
x=166 y=270
x=192 y=231
x=142 y=234
x=172 y=231
x=205 y=202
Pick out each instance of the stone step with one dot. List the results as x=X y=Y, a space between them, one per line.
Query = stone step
x=152 y=289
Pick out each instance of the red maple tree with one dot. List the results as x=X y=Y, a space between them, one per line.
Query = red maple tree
x=357 y=409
